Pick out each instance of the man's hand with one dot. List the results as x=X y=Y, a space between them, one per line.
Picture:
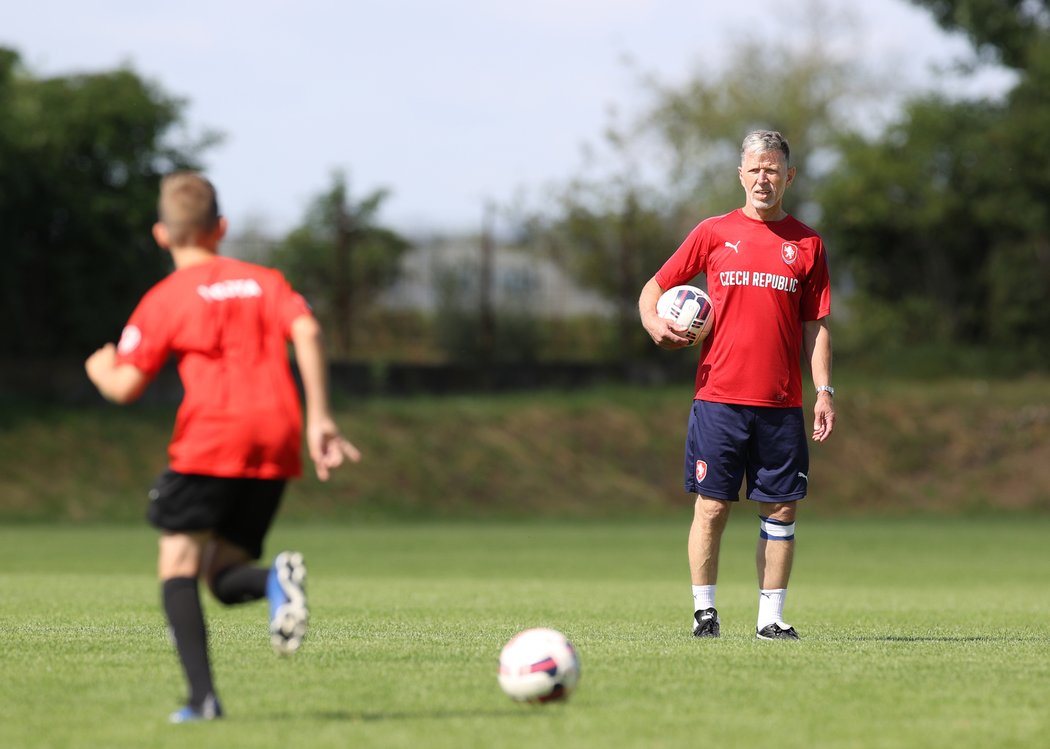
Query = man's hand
x=665 y=333
x=823 y=417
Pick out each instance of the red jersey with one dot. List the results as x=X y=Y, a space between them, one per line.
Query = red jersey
x=228 y=324
x=764 y=279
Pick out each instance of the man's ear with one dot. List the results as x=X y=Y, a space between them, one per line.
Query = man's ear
x=161 y=236
x=220 y=229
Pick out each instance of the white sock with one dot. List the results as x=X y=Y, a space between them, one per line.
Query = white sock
x=703 y=597
x=771 y=606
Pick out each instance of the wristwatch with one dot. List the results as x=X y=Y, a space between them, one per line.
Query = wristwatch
x=826 y=389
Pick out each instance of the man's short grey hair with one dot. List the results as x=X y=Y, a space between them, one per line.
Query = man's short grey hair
x=765 y=140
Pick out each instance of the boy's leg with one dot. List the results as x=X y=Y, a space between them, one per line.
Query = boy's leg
x=233 y=577
x=232 y=574
x=178 y=568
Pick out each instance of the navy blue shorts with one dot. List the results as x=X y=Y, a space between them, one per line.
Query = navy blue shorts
x=727 y=442
x=239 y=510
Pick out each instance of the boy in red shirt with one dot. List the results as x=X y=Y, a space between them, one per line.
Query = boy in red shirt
x=767 y=276
x=238 y=430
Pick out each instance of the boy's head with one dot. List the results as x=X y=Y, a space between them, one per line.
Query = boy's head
x=188 y=211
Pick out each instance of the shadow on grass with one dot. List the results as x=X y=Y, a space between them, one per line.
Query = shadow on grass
x=364 y=716
x=947 y=638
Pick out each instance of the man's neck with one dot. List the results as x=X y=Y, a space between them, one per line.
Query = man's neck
x=776 y=213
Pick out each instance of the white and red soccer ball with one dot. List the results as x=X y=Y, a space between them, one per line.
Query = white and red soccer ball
x=690 y=308
x=538 y=665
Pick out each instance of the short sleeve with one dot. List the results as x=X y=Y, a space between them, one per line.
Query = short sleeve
x=145 y=340
x=290 y=305
x=688 y=261
x=816 y=296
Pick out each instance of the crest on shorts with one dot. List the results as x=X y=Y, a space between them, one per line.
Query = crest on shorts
x=789 y=252
x=701 y=471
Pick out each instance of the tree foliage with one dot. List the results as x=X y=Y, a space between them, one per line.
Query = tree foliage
x=1005 y=29
x=943 y=216
x=80 y=161
x=612 y=230
x=802 y=90
x=612 y=243
x=898 y=210
x=341 y=258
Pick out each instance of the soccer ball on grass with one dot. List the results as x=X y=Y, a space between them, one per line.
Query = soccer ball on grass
x=538 y=665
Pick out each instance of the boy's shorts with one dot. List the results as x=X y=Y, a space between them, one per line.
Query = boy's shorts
x=237 y=509
x=727 y=442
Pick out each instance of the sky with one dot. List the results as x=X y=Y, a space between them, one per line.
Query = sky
x=447 y=104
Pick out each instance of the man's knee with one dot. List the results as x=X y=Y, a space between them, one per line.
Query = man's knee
x=711 y=512
x=777 y=522
x=782 y=512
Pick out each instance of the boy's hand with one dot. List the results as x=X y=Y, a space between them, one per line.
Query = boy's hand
x=328 y=448
x=101 y=363
x=120 y=383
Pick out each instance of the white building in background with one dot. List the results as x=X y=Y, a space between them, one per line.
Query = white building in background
x=433 y=269
x=520 y=278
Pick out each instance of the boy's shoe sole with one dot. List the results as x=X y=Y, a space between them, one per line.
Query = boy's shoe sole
x=286 y=591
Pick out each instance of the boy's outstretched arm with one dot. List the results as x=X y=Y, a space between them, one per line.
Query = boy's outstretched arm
x=328 y=448
x=120 y=383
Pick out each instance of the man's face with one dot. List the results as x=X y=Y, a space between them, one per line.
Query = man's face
x=765 y=176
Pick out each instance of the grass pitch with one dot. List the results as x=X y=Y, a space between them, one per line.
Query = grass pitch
x=922 y=633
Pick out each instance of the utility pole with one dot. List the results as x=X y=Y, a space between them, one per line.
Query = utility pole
x=627 y=256
x=486 y=310
x=343 y=281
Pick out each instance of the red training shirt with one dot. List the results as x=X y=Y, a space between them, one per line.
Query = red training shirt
x=228 y=323
x=764 y=279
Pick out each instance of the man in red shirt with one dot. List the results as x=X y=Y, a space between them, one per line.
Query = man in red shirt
x=238 y=430
x=767 y=276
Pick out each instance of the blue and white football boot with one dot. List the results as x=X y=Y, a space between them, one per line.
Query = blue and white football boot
x=210 y=710
x=286 y=592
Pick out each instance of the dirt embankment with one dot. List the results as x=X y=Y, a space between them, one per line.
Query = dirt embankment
x=958 y=446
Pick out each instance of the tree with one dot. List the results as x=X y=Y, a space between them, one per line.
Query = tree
x=899 y=211
x=1005 y=29
x=943 y=215
x=802 y=90
x=340 y=258
x=1016 y=208
x=611 y=227
x=611 y=235
x=80 y=161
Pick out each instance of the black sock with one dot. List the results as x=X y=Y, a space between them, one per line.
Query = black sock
x=240 y=584
x=182 y=605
